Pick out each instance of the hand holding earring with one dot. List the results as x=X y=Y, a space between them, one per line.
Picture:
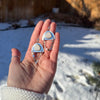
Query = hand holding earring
x=37 y=70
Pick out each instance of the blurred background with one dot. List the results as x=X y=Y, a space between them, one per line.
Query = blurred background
x=82 y=12
x=78 y=22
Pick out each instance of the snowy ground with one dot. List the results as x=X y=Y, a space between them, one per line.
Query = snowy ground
x=79 y=48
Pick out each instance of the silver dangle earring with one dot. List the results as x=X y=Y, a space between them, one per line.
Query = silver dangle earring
x=37 y=48
x=48 y=35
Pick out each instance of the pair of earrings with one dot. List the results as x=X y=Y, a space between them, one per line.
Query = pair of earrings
x=38 y=48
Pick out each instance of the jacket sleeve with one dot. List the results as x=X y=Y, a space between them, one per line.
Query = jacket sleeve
x=12 y=93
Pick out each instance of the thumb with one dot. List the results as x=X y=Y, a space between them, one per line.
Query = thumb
x=16 y=55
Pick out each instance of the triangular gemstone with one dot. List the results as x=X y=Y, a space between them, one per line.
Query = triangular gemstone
x=48 y=35
x=37 y=47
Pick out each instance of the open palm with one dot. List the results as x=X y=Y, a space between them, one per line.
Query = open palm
x=28 y=75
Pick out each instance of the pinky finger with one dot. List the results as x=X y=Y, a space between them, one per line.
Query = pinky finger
x=55 y=49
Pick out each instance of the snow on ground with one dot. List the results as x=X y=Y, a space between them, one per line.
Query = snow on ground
x=4 y=25
x=79 y=48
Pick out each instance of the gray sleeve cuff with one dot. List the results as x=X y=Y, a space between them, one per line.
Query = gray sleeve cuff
x=12 y=93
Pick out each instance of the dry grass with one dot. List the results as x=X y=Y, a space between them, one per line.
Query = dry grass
x=84 y=7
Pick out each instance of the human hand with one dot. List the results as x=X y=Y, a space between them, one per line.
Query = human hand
x=28 y=75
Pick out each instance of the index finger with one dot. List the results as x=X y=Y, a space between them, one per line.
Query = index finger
x=35 y=34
